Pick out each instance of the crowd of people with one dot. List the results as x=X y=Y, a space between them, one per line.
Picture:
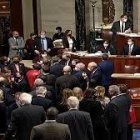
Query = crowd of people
x=80 y=102
x=61 y=98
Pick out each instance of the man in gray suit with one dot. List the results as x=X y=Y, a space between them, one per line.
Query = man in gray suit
x=51 y=130
x=16 y=44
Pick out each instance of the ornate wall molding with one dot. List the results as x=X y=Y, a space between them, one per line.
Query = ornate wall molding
x=108 y=11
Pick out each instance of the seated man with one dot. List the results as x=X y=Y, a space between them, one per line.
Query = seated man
x=106 y=47
x=131 y=48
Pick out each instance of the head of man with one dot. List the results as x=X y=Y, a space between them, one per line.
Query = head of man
x=43 y=34
x=52 y=113
x=114 y=90
x=38 y=82
x=105 y=56
x=106 y=43
x=73 y=102
x=41 y=91
x=130 y=41
x=16 y=59
x=91 y=66
x=58 y=29
x=25 y=98
x=15 y=34
x=66 y=56
x=123 y=18
x=67 y=70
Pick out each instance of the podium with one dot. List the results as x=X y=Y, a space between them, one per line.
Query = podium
x=121 y=40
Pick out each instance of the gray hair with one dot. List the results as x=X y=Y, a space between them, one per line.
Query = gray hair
x=114 y=90
x=73 y=102
x=25 y=98
x=38 y=82
x=41 y=90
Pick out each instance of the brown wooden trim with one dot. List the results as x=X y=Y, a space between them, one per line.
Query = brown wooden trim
x=16 y=16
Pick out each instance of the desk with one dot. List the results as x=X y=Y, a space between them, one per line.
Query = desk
x=119 y=61
x=132 y=80
x=121 y=40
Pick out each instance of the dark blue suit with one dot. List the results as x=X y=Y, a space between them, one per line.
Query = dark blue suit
x=106 y=67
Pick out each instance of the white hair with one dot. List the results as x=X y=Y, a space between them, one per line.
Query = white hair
x=73 y=102
x=41 y=90
x=25 y=98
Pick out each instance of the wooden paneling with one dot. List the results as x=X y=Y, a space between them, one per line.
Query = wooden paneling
x=119 y=61
x=16 y=16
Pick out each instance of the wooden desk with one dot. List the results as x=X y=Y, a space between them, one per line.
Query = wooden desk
x=121 y=40
x=132 y=80
x=119 y=61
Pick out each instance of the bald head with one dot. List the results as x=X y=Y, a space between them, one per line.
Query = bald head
x=91 y=66
x=67 y=70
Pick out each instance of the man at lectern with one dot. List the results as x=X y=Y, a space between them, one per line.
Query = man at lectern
x=123 y=25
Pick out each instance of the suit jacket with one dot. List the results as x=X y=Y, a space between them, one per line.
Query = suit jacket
x=14 y=46
x=135 y=50
x=106 y=67
x=117 y=115
x=65 y=81
x=95 y=78
x=56 y=69
x=50 y=131
x=23 y=119
x=79 y=123
x=38 y=43
x=116 y=26
x=22 y=69
x=41 y=101
x=106 y=50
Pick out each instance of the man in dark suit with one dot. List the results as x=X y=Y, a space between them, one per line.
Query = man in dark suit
x=79 y=122
x=40 y=99
x=51 y=130
x=131 y=48
x=18 y=71
x=24 y=118
x=117 y=114
x=43 y=43
x=59 y=34
x=106 y=68
x=56 y=68
x=123 y=25
x=65 y=81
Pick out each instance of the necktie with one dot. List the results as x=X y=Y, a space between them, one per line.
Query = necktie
x=42 y=44
x=130 y=50
x=16 y=41
x=122 y=27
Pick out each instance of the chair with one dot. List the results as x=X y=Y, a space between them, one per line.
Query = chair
x=131 y=69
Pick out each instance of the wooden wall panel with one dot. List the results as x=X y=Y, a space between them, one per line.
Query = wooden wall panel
x=16 y=16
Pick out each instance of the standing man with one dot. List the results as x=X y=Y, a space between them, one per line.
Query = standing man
x=106 y=69
x=65 y=81
x=79 y=122
x=123 y=25
x=117 y=113
x=59 y=34
x=24 y=118
x=16 y=44
x=51 y=130
x=43 y=43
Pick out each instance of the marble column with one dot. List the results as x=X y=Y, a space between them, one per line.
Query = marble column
x=136 y=16
x=80 y=23
x=28 y=26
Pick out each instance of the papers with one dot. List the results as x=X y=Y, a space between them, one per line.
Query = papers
x=129 y=34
